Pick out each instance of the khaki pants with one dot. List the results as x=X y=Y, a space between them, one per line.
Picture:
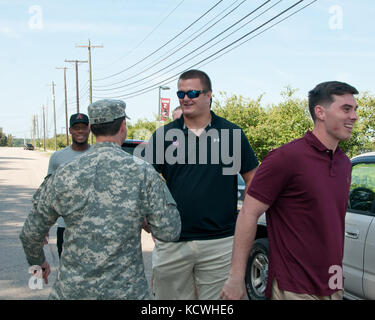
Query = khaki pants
x=278 y=294
x=191 y=269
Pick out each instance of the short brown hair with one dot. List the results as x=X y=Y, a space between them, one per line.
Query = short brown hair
x=322 y=94
x=197 y=74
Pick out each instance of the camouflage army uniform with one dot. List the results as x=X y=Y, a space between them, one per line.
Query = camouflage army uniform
x=103 y=197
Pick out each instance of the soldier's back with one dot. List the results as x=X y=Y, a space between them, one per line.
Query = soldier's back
x=99 y=196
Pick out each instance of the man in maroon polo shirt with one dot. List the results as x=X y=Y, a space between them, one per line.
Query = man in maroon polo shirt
x=303 y=186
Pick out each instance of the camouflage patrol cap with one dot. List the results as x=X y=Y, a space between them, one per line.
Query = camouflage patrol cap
x=107 y=110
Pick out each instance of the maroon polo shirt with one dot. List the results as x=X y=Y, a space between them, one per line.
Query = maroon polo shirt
x=306 y=187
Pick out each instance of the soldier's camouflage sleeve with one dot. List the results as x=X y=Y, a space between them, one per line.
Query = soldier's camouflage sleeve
x=41 y=217
x=163 y=217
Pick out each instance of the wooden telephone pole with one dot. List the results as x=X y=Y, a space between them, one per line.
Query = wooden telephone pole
x=66 y=106
x=54 y=113
x=77 y=89
x=44 y=129
x=89 y=46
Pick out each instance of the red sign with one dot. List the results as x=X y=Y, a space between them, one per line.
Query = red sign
x=164 y=108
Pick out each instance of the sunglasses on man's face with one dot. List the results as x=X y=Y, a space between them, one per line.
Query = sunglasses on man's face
x=191 y=93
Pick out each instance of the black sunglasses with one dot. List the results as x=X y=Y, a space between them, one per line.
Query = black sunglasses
x=191 y=93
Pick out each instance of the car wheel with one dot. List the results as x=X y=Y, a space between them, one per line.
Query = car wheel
x=257 y=270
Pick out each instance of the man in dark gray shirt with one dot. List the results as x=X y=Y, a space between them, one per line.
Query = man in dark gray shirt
x=80 y=130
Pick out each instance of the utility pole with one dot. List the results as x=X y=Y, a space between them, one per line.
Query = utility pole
x=33 y=134
x=44 y=129
x=37 y=129
x=54 y=113
x=46 y=115
x=66 y=106
x=89 y=46
x=77 y=89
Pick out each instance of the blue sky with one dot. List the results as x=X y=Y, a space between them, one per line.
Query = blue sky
x=329 y=40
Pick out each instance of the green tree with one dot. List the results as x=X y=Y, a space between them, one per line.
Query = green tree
x=285 y=122
x=142 y=129
x=17 y=142
x=272 y=126
x=248 y=114
x=10 y=140
x=269 y=127
x=3 y=140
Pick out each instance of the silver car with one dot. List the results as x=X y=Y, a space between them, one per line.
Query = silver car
x=359 y=249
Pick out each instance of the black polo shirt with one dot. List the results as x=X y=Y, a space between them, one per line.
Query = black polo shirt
x=201 y=174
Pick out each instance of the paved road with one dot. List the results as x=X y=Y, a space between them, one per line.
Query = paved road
x=21 y=172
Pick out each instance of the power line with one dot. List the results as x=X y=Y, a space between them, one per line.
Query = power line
x=259 y=33
x=175 y=76
x=84 y=87
x=89 y=46
x=147 y=36
x=200 y=47
x=77 y=88
x=162 y=46
x=182 y=43
x=71 y=98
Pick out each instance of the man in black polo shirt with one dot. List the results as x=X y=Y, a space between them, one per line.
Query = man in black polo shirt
x=199 y=155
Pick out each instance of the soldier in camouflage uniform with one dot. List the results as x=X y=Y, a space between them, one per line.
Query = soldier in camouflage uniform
x=104 y=197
